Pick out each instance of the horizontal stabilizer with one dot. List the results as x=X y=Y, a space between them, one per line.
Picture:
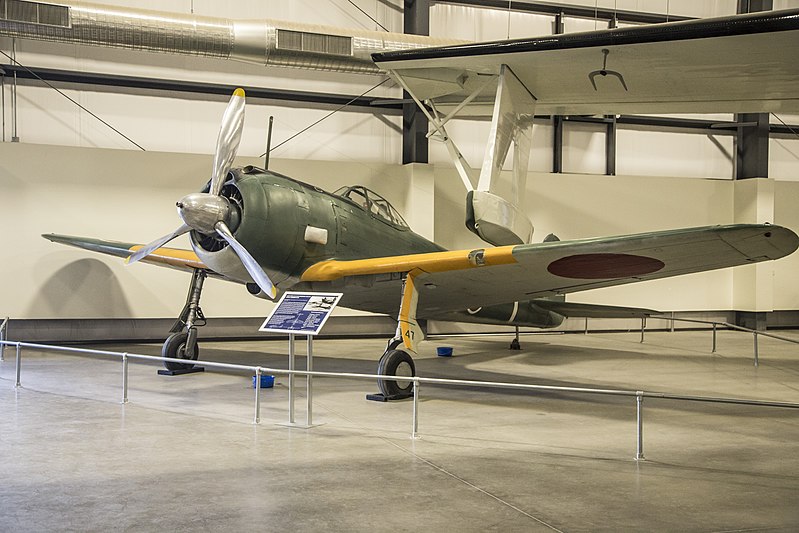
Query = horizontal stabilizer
x=572 y=309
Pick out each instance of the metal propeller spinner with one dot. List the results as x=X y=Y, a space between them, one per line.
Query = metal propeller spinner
x=209 y=212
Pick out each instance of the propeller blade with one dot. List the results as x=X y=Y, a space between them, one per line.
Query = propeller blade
x=249 y=262
x=227 y=144
x=153 y=246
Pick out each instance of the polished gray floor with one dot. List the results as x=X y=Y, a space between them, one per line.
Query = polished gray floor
x=184 y=455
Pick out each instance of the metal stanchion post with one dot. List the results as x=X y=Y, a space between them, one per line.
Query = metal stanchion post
x=19 y=362
x=309 y=385
x=291 y=378
x=257 y=396
x=672 y=321
x=757 y=355
x=3 y=334
x=125 y=377
x=639 y=452
x=714 y=338
x=643 y=326
x=586 y=325
x=415 y=424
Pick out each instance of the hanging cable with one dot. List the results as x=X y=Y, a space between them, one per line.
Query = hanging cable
x=367 y=14
x=596 y=13
x=3 y=101
x=14 y=136
x=326 y=116
x=786 y=125
x=510 y=8
x=73 y=101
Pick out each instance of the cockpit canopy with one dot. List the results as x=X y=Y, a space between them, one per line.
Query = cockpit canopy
x=373 y=203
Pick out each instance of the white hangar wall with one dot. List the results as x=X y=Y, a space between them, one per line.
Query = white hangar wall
x=786 y=271
x=574 y=206
x=129 y=196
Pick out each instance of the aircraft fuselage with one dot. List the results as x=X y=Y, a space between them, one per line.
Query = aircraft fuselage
x=288 y=225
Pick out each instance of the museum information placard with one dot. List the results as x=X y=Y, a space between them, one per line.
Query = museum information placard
x=302 y=313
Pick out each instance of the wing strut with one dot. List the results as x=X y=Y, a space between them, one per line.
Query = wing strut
x=497 y=220
x=439 y=132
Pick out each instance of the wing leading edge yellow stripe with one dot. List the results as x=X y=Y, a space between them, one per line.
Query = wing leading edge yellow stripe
x=429 y=262
x=172 y=257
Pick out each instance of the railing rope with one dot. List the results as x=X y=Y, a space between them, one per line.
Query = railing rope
x=754 y=332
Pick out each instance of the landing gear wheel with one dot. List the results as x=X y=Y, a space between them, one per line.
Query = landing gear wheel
x=396 y=363
x=175 y=346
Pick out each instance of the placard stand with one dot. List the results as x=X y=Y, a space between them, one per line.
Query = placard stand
x=301 y=313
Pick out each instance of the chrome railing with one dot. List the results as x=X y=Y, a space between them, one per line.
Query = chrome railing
x=639 y=395
x=714 y=326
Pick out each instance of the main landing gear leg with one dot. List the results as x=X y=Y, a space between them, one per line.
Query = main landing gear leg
x=182 y=343
x=395 y=361
x=515 y=344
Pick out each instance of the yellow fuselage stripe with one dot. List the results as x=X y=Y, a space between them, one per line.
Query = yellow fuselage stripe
x=429 y=262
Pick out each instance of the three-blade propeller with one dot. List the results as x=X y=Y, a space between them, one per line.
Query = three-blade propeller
x=209 y=212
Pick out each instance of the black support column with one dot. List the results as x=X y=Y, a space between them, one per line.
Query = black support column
x=557 y=144
x=751 y=153
x=751 y=146
x=557 y=120
x=751 y=157
x=414 y=123
x=610 y=131
x=610 y=146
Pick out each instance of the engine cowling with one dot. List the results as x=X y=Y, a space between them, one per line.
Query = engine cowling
x=266 y=219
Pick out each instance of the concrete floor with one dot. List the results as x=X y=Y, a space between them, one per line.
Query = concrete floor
x=184 y=454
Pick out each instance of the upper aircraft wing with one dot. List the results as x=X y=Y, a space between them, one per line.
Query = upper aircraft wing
x=463 y=279
x=185 y=260
x=736 y=64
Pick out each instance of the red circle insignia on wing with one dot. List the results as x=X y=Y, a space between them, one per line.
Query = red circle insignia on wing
x=604 y=266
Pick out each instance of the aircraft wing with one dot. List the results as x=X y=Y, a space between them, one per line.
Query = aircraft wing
x=185 y=260
x=464 y=279
x=735 y=64
x=581 y=310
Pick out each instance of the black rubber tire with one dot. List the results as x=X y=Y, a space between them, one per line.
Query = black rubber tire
x=175 y=346
x=396 y=363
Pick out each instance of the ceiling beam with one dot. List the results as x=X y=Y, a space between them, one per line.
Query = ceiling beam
x=366 y=104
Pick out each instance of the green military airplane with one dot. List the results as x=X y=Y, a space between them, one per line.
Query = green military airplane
x=273 y=233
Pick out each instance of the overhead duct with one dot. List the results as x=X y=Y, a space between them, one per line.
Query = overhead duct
x=263 y=42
